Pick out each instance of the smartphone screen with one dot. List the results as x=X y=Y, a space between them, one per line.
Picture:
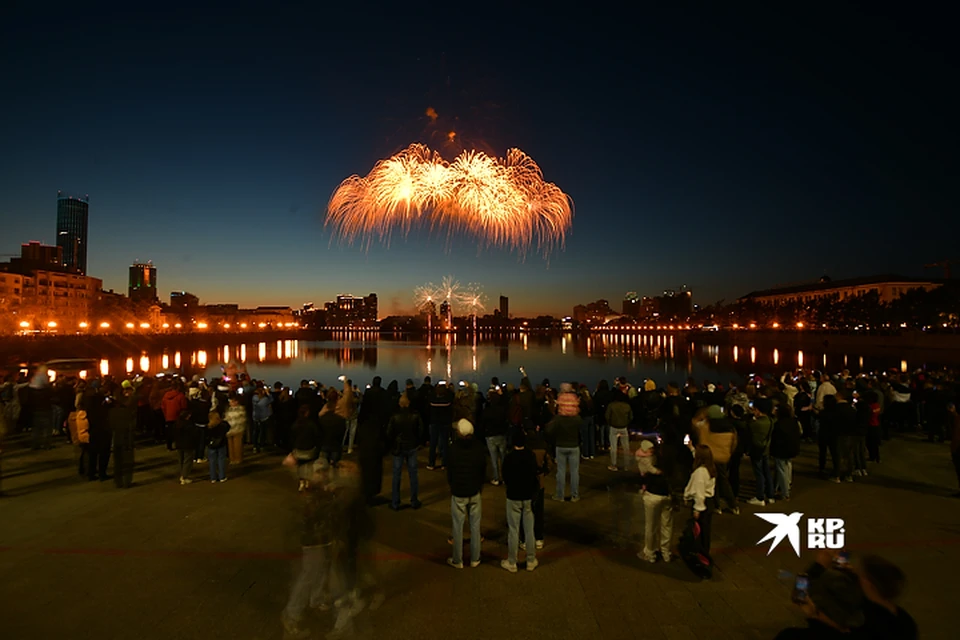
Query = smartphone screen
x=801 y=588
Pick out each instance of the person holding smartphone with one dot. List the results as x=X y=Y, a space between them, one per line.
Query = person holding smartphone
x=832 y=600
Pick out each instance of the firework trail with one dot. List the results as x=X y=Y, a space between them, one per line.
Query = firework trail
x=502 y=202
x=452 y=292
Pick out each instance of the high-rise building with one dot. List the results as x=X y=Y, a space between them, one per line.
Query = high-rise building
x=143 y=282
x=352 y=310
x=72 y=214
x=505 y=307
x=631 y=305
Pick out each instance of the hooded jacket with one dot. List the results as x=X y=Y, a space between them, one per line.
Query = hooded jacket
x=172 y=403
x=466 y=467
x=619 y=415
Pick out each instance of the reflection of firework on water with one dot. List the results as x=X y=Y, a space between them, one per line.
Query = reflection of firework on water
x=503 y=202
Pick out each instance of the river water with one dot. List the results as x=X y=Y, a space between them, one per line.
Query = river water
x=559 y=357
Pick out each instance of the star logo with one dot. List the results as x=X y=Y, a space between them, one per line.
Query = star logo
x=785 y=526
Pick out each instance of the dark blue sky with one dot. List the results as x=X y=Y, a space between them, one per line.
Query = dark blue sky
x=728 y=151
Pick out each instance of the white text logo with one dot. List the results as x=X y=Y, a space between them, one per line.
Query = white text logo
x=822 y=533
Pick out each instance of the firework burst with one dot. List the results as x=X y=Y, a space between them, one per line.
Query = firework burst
x=502 y=202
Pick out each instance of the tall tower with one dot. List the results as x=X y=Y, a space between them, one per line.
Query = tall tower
x=143 y=282
x=72 y=214
x=504 y=307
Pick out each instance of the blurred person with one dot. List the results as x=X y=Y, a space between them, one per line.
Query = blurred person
x=286 y=412
x=874 y=430
x=236 y=416
x=306 y=445
x=333 y=429
x=347 y=405
x=466 y=469
x=846 y=425
x=761 y=433
x=98 y=403
x=200 y=407
x=216 y=440
x=588 y=430
x=122 y=419
x=784 y=447
x=39 y=406
x=422 y=404
x=883 y=583
x=521 y=480
x=953 y=426
x=465 y=404
x=184 y=436
x=618 y=416
x=537 y=444
x=262 y=414
x=79 y=427
x=700 y=491
x=827 y=437
x=494 y=423
x=833 y=606
x=441 y=419
x=568 y=402
x=657 y=510
x=375 y=411
x=736 y=415
x=404 y=433
x=564 y=431
x=173 y=402
x=601 y=400
x=803 y=409
x=712 y=428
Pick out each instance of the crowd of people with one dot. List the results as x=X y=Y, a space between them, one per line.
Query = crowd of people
x=680 y=447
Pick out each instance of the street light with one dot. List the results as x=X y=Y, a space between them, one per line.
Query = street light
x=144 y=325
x=104 y=325
x=799 y=325
x=24 y=324
x=84 y=325
x=52 y=324
x=201 y=325
x=129 y=325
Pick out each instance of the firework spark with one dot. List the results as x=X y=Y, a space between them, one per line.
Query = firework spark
x=452 y=292
x=502 y=202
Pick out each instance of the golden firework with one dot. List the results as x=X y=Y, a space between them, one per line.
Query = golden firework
x=502 y=202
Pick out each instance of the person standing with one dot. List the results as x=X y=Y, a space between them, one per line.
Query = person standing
x=375 y=411
x=619 y=416
x=79 y=427
x=565 y=433
x=404 y=433
x=100 y=436
x=712 y=428
x=761 y=431
x=520 y=477
x=39 y=395
x=657 y=510
x=441 y=418
x=538 y=445
x=847 y=430
x=873 y=426
x=174 y=401
x=122 y=418
x=184 y=437
x=333 y=429
x=784 y=447
x=216 y=441
x=494 y=422
x=700 y=490
x=306 y=445
x=588 y=432
x=262 y=413
x=347 y=409
x=466 y=469
x=236 y=416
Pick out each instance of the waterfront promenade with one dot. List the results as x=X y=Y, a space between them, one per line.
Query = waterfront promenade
x=85 y=560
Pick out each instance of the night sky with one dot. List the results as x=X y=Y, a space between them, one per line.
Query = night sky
x=724 y=151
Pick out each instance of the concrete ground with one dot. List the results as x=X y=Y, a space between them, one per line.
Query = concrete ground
x=86 y=560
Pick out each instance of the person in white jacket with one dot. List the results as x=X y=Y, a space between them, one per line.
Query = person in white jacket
x=700 y=490
x=236 y=416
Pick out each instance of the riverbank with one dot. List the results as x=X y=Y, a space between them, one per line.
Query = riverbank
x=42 y=348
x=917 y=345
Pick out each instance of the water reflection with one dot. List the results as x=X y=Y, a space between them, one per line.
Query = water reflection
x=558 y=357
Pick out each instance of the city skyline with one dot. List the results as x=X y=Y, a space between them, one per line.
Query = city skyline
x=689 y=159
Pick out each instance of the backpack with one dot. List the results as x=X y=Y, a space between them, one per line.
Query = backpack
x=692 y=551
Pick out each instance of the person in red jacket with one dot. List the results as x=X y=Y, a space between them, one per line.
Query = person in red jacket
x=174 y=401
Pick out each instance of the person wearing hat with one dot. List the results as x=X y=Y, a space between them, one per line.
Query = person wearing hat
x=466 y=470
x=520 y=477
x=833 y=606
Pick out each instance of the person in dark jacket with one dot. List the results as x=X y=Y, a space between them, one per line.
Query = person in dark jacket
x=183 y=436
x=306 y=445
x=833 y=606
x=883 y=583
x=100 y=436
x=422 y=404
x=845 y=418
x=564 y=431
x=333 y=428
x=466 y=469
x=541 y=450
x=216 y=441
x=601 y=399
x=784 y=447
x=371 y=436
x=522 y=482
x=494 y=424
x=441 y=418
x=827 y=436
x=404 y=433
x=122 y=418
x=199 y=407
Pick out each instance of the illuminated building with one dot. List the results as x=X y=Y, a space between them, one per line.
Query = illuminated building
x=183 y=302
x=72 y=218
x=887 y=287
x=143 y=282
x=350 y=310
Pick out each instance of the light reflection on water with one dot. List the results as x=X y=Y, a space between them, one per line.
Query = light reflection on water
x=557 y=357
